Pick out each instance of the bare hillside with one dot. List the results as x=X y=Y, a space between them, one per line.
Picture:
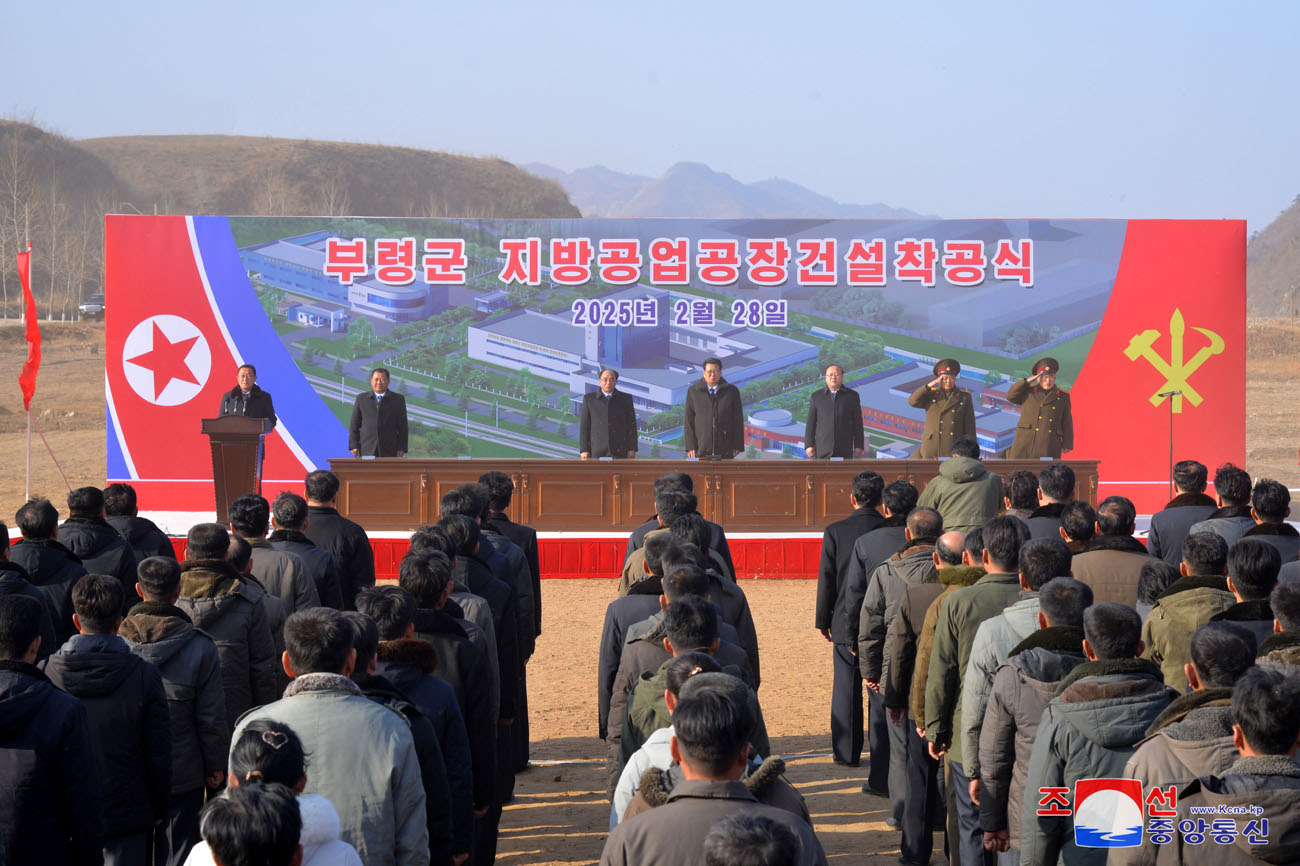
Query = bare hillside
x=1273 y=266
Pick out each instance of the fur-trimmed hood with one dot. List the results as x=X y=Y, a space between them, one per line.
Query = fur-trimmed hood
x=1188 y=500
x=1183 y=705
x=1057 y=638
x=960 y=575
x=1285 y=530
x=759 y=779
x=412 y=652
x=1051 y=509
x=1122 y=543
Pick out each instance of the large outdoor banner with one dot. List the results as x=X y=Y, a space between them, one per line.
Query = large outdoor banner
x=495 y=329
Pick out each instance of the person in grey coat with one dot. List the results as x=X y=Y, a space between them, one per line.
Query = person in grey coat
x=279 y=572
x=363 y=756
x=1041 y=560
x=1022 y=688
x=1270 y=505
x=1232 y=518
x=1101 y=710
x=220 y=601
x=162 y=634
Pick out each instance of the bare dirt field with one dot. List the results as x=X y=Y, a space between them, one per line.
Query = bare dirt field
x=560 y=814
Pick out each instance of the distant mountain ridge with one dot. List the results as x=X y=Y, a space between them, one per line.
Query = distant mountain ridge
x=693 y=189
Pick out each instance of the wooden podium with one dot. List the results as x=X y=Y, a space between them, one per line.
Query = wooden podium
x=237 y=450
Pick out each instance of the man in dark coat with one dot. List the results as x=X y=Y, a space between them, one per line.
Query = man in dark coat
x=1046 y=426
x=162 y=634
x=50 y=566
x=1231 y=519
x=683 y=480
x=1270 y=505
x=378 y=425
x=949 y=411
x=608 y=424
x=101 y=550
x=246 y=398
x=1171 y=524
x=346 y=541
x=1253 y=569
x=714 y=425
x=641 y=601
x=13 y=581
x=129 y=722
x=500 y=491
x=50 y=809
x=834 y=427
x=144 y=536
x=290 y=518
x=1055 y=491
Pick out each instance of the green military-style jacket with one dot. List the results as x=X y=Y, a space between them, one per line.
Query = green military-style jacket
x=1046 y=427
x=949 y=416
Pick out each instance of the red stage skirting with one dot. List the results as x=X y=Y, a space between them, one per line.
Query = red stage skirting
x=603 y=557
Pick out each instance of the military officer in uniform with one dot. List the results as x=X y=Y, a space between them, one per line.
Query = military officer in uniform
x=949 y=411
x=1046 y=428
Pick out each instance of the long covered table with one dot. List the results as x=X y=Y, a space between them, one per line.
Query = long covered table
x=769 y=496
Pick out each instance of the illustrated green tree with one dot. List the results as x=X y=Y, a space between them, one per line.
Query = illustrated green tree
x=751 y=451
x=656 y=451
x=338 y=366
x=992 y=377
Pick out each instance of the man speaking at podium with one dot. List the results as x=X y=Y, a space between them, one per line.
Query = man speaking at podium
x=378 y=426
x=246 y=398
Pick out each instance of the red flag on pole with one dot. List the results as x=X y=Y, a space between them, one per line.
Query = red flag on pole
x=27 y=378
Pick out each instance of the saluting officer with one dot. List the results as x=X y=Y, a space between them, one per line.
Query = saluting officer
x=949 y=411
x=1046 y=427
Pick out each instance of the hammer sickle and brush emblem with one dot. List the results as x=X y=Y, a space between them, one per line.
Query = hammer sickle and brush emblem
x=1175 y=370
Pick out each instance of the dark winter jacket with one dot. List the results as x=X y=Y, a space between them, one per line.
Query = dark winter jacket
x=144 y=536
x=221 y=602
x=911 y=565
x=1088 y=731
x=102 y=551
x=348 y=544
x=1022 y=688
x=50 y=811
x=1283 y=536
x=869 y=551
x=187 y=659
x=641 y=601
x=526 y=538
x=1045 y=520
x=836 y=555
x=410 y=665
x=52 y=569
x=445 y=808
x=476 y=577
x=1171 y=525
x=717 y=540
x=13 y=581
x=713 y=425
x=464 y=668
x=324 y=573
x=127 y=707
x=259 y=404
x=1256 y=616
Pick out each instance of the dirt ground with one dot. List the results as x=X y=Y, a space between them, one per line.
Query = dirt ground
x=560 y=814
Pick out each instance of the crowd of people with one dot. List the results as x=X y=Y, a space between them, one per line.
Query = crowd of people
x=261 y=700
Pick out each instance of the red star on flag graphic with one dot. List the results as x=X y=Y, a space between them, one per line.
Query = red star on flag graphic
x=166 y=360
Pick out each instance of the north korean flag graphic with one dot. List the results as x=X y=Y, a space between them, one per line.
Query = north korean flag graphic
x=180 y=317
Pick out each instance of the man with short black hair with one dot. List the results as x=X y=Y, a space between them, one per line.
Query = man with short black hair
x=717 y=538
x=831 y=620
x=1193 y=736
x=1055 y=491
x=1022 y=688
x=1020 y=494
x=500 y=490
x=965 y=492
x=290 y=518
x=162 y=634
x=713 y=424
x=378 y=425
x=364 y=759
x=1253 y=571
x=346 y=541
x=670 y=504
x=1078 y=524
x=1155 y=577
x=50 y=811
x=1232 y=518
x=254 y=824
x=959 y=620
x=218 y=599
x=1262 y=784
x=127 y=707
x=1270 y=506
x=1284 y=646
x=13 y=581
x=101 y=550
x=279 y=572
x=1102 y=708
x=1114 y=558
x=1171 y=524
x=123 y=514
x=711 y=742
x=642 y=601
x=1186 y=605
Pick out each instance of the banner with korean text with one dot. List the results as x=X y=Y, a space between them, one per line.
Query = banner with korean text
x=495 y=329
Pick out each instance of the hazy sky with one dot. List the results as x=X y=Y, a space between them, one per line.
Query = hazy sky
x=988 y=109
